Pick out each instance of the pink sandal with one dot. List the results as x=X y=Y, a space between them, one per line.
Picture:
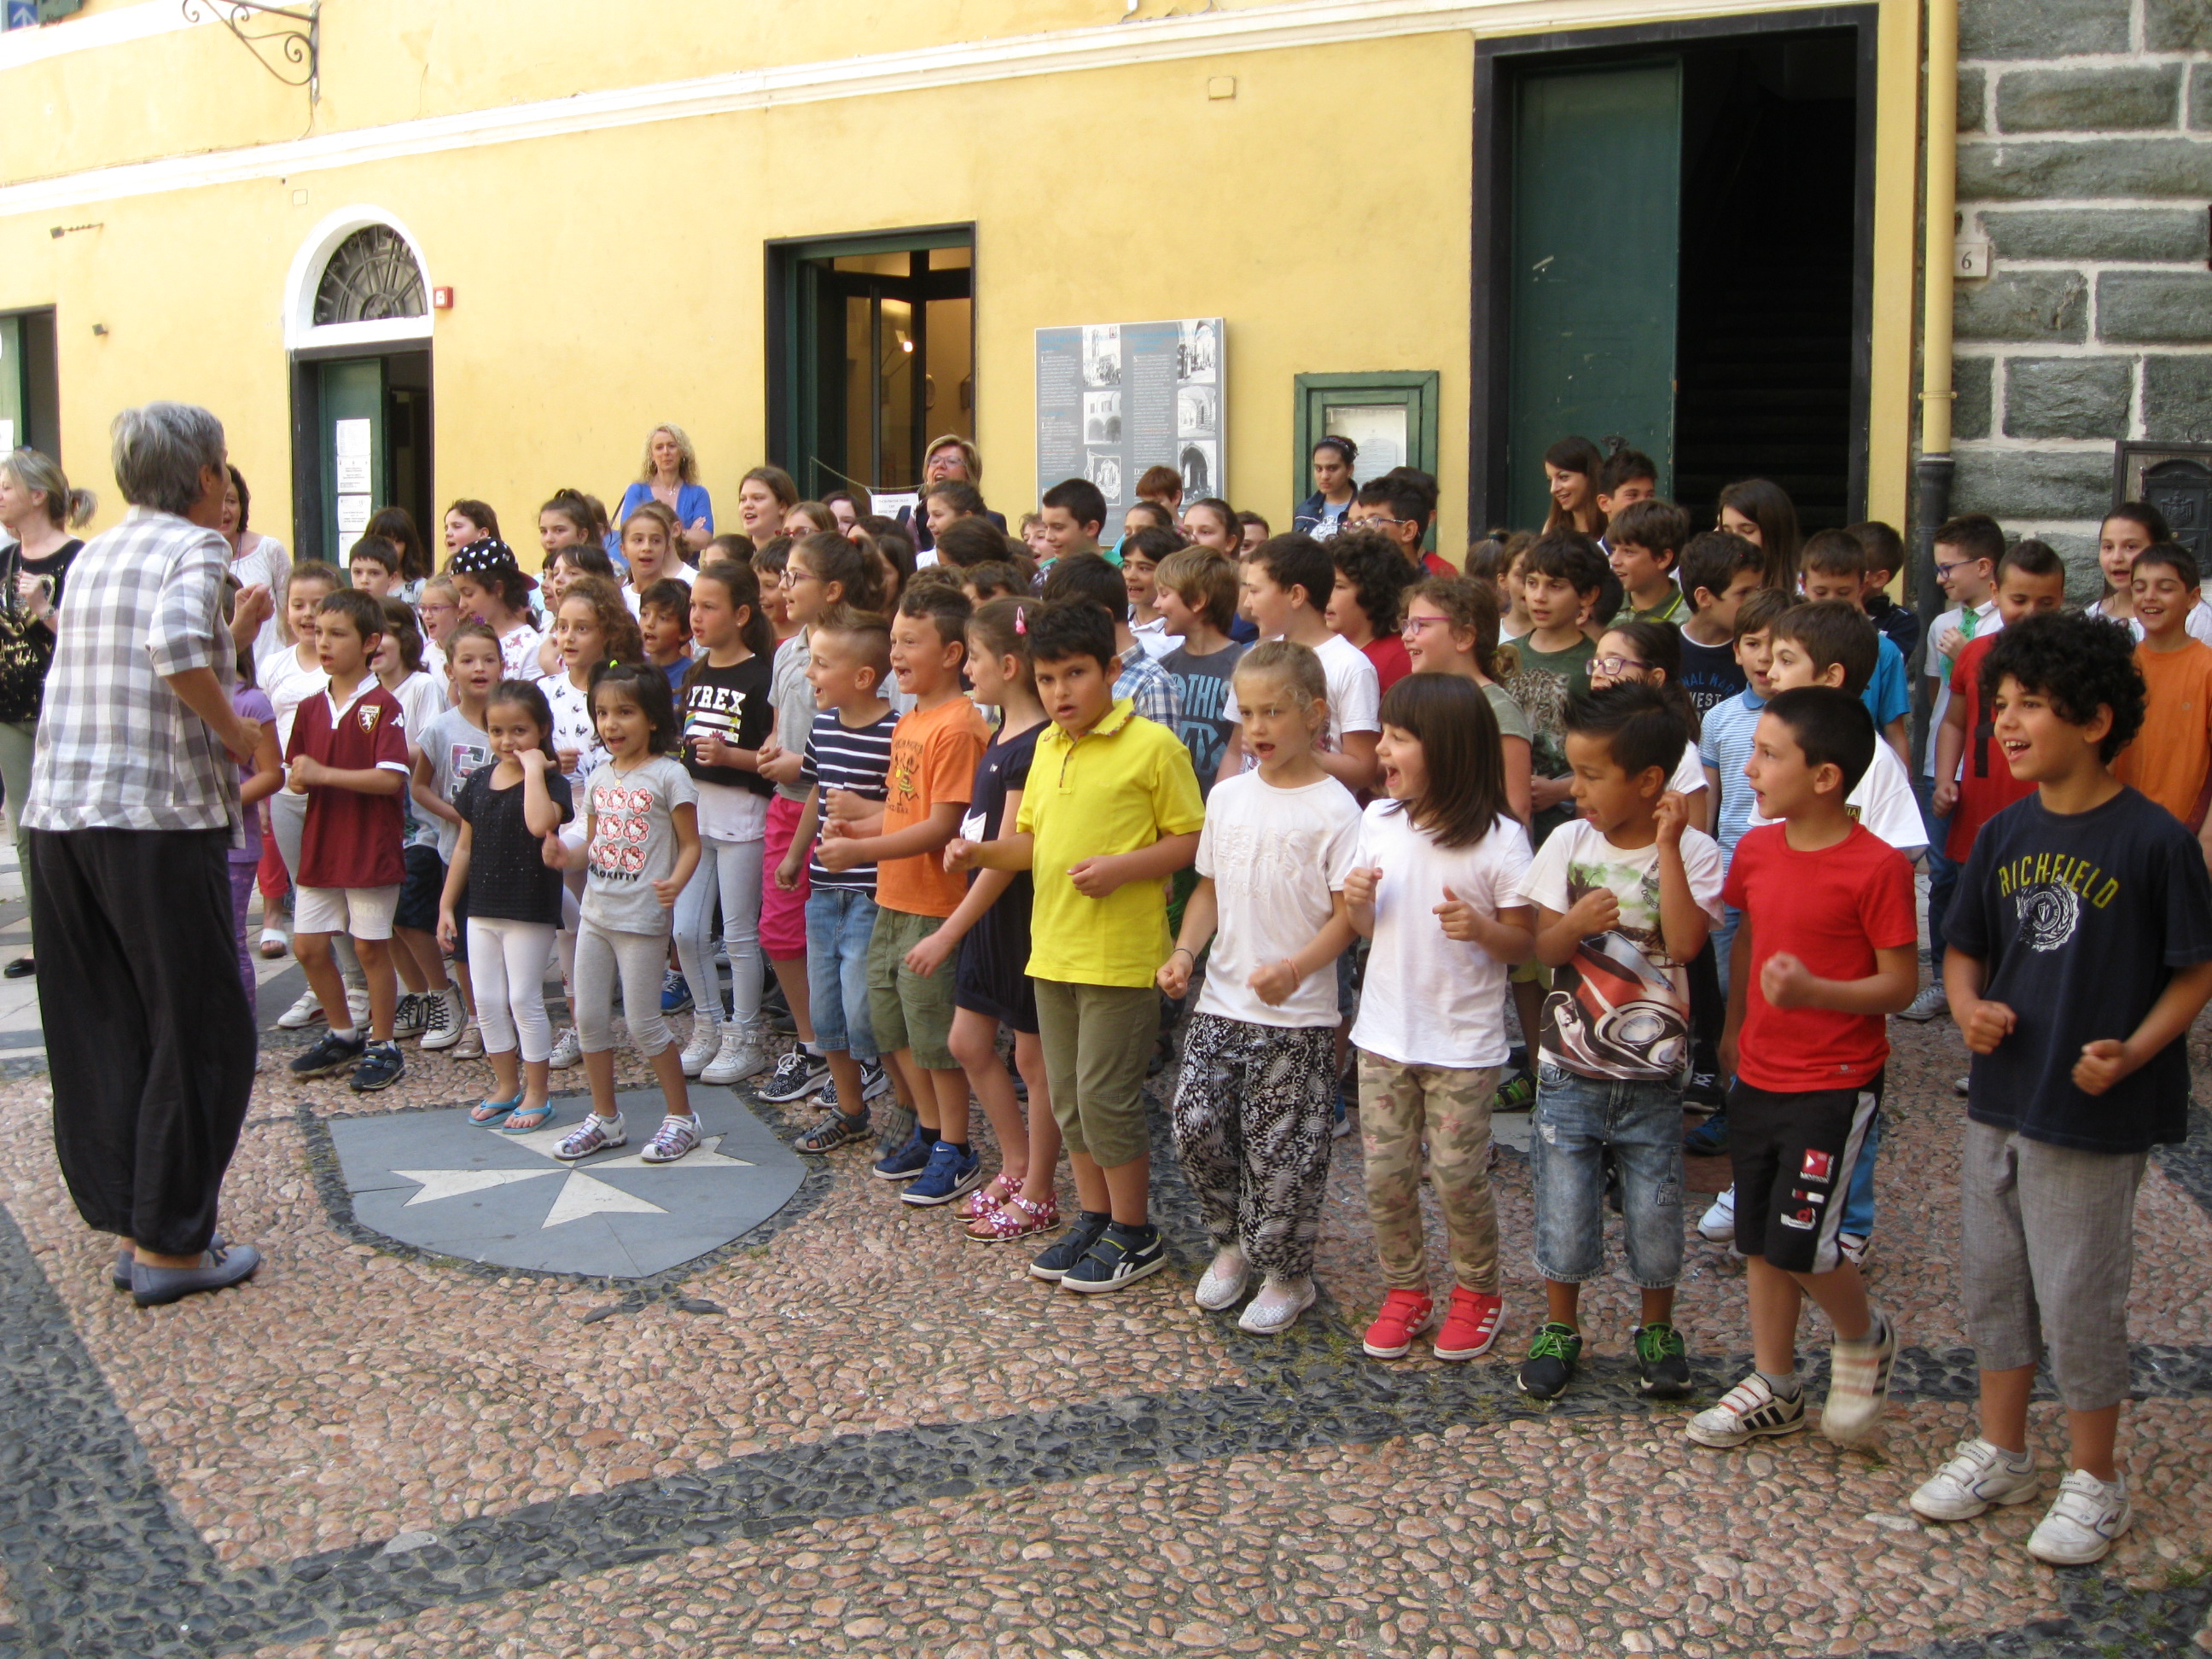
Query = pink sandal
x=988 y=1201
x=1016 y=1218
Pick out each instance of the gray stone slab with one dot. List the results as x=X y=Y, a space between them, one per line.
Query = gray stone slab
x=434 y=1180
x=2126 y=97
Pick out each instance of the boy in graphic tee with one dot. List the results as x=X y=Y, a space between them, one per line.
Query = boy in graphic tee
x=1623 y=895
x=2079 y=951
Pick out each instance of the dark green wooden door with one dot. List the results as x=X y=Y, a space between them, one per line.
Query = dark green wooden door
x=1596 y=229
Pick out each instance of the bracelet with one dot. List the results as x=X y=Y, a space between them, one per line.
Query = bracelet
x=1182 y=951
x=1293 y=967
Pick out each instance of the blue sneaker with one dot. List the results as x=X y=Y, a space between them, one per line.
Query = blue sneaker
x=948 y=1175
x=675 y=992
x=1709 y=1138
x=910 y=1161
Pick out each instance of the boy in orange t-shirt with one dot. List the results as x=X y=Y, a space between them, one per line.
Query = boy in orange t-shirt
x=2171 y=759
x=934 y=750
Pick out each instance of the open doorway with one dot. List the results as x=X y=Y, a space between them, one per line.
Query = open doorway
x=871 y=355
x=30 y=383
x=361 y=440
x=1673 y=249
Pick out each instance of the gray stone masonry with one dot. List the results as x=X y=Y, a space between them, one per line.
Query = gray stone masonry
x=2085 y=161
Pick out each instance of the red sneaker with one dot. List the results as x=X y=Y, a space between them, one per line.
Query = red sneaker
x=1405 y=1315
x=1471 y=1326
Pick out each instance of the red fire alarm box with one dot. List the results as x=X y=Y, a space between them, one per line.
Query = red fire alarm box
x=441 y=299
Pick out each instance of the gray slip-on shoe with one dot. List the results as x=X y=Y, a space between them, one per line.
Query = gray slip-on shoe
x=125 y=1258
x=150 y=1287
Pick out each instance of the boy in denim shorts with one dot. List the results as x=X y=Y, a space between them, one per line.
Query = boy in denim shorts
x=1624 y=896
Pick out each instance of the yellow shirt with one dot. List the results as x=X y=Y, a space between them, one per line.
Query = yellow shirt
x=1121 y=787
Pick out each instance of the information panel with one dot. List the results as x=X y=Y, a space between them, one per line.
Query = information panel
x=1116 y=398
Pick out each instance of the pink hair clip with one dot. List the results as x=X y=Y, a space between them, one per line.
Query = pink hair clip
x=1021 y=620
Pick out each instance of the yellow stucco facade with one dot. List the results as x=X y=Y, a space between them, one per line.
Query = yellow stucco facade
x=596 y=184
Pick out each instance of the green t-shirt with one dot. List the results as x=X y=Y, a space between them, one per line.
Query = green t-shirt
x=1672 y=608
x=1541 y=686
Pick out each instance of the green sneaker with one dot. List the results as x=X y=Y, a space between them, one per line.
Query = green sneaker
x=1550 y=1365
x=1662 y=1364
x=1517 y=1094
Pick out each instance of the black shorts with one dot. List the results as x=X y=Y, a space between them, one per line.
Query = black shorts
x=419 y=894
x=1793 y=1155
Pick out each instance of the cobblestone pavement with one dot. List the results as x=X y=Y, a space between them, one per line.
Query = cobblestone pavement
x=852 y=1430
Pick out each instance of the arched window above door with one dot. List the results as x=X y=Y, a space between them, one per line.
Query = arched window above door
x=372 y=277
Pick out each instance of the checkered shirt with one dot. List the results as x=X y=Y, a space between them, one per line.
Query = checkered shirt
x=116 y=748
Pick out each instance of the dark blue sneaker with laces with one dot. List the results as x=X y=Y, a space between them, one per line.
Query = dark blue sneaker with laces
x=910 y=1160
x=1071 y=1247
x=1709 y=1138
x=381 y=1066
x=1122 y=1256
x=330 y=1054
x=675 y=992
x=949 y=1173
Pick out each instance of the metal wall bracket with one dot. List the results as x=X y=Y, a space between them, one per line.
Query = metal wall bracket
x=286 y=40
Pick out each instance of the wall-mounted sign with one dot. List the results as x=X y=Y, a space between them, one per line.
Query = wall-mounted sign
x=1116 y=398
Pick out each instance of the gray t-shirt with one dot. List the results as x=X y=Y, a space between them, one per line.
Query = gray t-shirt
x=792 y=694
x=633 y=842
x=455 y=747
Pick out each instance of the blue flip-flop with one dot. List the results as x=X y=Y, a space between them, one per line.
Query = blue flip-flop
x=486 y=1113
x=543 y=1115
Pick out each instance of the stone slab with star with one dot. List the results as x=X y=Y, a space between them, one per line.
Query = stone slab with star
x=437 y=1182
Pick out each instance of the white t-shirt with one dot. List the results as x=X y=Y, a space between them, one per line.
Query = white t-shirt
x=287 y=686
x=518 y=653
x=1275 y=857
x=1154 y=637
x=573 y=728
x=422 y=699
x=1621 y=1007
x=264 y=560
x=1690 y=773
x=1430 y=1000
x=1355 y=695
x=1882 y=801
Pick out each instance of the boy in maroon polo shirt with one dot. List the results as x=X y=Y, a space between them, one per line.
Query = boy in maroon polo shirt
x=349 y=757
x=1828 y=945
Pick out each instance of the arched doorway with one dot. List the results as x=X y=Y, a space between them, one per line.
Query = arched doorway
x=357 y=329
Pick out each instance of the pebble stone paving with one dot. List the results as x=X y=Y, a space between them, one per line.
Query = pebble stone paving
x=852 y=1430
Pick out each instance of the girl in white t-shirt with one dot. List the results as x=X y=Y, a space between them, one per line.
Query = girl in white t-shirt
x=1651 y=653
x=1437 y=866
x=1252 y=1114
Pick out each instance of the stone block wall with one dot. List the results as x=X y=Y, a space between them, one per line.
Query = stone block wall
x=2085 y=159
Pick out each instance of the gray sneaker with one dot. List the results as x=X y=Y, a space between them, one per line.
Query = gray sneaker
x=1929 y=1004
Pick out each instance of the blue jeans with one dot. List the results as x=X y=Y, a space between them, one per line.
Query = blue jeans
x=1943 y=874
x=1859 y=1202
x=1724 y=942
x=840 y=923
x=1576 y=1119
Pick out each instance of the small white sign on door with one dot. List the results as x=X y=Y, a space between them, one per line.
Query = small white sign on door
x=353 y=515
x=351 y=444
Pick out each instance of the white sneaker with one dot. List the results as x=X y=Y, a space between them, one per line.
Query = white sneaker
x=1978 y=1475
x=1858 y=1386
x=1853 y=1248
x=568 y=1049
x=1750 y=1408
x=742 y=1054
x=304 y=1012
x=1718 y=1223
x=409 y=1019
x=357 y=1005
x=1928 y=1005
x=1223 y=1281
x=1278 y=1304
x=706 y=1042
x=2087 y=1516
x=444 y=1016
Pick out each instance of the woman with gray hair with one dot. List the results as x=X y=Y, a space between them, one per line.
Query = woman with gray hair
x=133 y=808
x=37 y=508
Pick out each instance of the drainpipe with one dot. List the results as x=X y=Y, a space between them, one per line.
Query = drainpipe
x=1932 y=472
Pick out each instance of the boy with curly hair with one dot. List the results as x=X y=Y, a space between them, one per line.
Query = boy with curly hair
x=2078 y=951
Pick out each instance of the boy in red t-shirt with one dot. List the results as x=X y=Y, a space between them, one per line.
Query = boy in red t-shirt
x=349 y=757
x=1829 y=944
x=2031 y=578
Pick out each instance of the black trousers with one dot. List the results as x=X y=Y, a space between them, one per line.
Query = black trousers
x=149 y=1041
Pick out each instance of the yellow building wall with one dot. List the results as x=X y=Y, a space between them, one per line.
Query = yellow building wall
x=610 y=280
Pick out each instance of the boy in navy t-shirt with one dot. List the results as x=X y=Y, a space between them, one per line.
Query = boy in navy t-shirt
x=2079 y=949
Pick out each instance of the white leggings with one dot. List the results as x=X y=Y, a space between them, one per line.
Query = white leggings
x=641 y=959
x=508 y=960
x=729 y=870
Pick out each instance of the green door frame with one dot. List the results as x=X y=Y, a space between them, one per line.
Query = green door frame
x=27 y=359
x=1416 y=389
x=796 y=294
